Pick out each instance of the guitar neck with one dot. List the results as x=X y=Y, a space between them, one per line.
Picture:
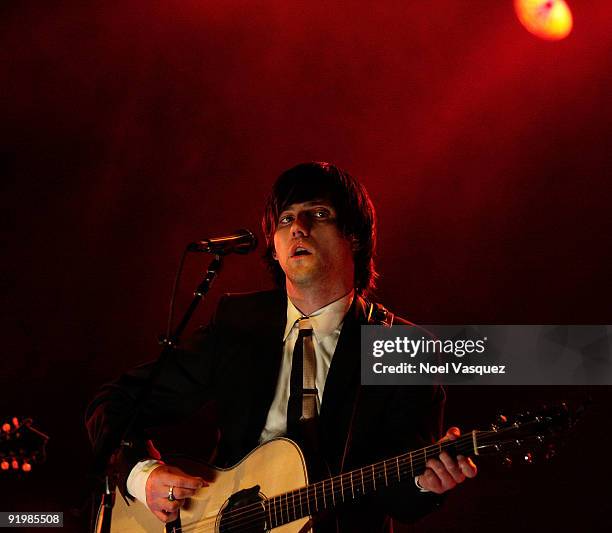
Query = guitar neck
x=352 y=486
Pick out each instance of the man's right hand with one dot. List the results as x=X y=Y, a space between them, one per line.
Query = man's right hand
x=158 y=490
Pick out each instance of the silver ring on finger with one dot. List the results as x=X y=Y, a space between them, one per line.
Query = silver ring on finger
x=171 y=496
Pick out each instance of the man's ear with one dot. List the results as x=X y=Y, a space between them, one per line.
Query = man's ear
x=274 y=256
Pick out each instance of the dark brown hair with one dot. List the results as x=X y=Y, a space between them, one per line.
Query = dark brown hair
x=356 y=216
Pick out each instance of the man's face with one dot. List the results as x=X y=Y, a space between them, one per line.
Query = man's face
x=310 y=248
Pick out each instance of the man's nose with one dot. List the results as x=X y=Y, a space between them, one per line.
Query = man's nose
x=300 y=226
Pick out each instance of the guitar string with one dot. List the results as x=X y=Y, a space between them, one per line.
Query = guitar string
x=244 y=515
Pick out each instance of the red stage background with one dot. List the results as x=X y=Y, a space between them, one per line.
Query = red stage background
x=131 y=128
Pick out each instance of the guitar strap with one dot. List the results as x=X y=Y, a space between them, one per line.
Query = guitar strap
x=379 y=315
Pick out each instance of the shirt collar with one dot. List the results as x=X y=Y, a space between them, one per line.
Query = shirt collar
x=324 y=321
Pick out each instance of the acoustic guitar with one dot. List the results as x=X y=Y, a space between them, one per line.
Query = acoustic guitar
x=269 y=490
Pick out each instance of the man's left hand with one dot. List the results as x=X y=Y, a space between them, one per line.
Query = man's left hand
x=446 y=472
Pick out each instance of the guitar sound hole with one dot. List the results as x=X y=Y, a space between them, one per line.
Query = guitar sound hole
x=244 y=512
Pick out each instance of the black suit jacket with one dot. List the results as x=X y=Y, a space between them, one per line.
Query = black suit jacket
x=235 y=362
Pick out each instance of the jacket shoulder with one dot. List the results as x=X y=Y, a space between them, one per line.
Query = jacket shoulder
x=246 y=301
x=235 y=310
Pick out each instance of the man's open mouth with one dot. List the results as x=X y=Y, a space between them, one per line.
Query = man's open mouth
x=299 y=251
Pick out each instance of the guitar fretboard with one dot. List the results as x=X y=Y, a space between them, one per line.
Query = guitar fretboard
x=353 y=485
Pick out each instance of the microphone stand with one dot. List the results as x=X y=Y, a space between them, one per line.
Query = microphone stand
x=169 y=343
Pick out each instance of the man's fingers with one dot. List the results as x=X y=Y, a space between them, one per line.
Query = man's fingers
x=446 y=472
x=446 y=481
x=171 y=476
x=453 y=433
x=452 y=467
x=429 y=481
x=160 y=515
x=166 y=480
x=163 y=504
x=162 y=493
x=180 y=493
x=165 y=517
x=166 y=510
x=467 y=466
x=190 y=483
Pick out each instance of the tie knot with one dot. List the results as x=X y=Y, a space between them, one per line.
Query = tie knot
x=304 y=324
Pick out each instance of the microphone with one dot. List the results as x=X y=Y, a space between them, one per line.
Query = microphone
x=241 y=242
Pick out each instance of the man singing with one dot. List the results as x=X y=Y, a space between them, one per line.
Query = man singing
x=320 y=230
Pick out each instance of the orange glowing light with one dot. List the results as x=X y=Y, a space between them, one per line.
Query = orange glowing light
x=26 y=467
x=15 y=464
x=547 y=19
x=6 y=427
x=4 y=465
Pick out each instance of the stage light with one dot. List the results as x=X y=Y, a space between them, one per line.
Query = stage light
x=548 y=19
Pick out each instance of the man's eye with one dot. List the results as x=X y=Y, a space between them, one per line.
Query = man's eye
x=321 y=213
x=285 y=219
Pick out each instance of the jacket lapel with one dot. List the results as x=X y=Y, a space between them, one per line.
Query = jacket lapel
x=267 y=352
x=342 y=383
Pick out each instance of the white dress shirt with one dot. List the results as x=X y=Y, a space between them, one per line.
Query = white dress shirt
x=326 y=326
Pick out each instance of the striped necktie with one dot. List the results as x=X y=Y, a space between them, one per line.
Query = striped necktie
x=303 y=395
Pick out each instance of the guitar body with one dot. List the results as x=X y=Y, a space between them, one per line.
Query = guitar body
x=278 y=466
